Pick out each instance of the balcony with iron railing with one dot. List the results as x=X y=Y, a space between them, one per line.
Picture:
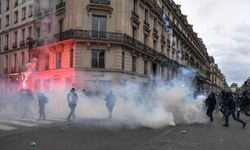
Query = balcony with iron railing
x=60 y=6
x=16 y=21
x=16 y=4
x=38 y=13
x=22 y=43
x=14 y=45
x=6 y=47
x=102 y=2
x=48 y=10
x=23 y=18
x=30 y=15
x=112 y=37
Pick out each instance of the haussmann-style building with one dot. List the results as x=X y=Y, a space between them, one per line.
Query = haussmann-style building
x=96 y=44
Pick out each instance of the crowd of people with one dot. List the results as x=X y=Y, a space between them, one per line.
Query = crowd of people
x=229 y=104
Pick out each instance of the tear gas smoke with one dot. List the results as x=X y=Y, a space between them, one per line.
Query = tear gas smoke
x=30 y=67
x=165 y=104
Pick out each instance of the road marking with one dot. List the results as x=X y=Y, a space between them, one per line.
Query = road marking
x=26 y=124
x=6 y=128
x=56 y=119
x=34 y=121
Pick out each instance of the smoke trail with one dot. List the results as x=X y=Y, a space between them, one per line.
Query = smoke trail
x=30 y=67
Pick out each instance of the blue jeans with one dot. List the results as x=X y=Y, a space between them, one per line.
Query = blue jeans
x=72 y=111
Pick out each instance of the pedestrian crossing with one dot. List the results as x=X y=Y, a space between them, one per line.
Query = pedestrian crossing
x=11 y=124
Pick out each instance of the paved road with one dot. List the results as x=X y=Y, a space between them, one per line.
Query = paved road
x=111 y=135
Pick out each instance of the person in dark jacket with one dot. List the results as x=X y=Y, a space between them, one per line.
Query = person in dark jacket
x=42 y=100
x=110 y=103
x=223 y=103
x=26 y=98
x=244 y=104
x=72 y=99
x=231 y=111
x=210 y=103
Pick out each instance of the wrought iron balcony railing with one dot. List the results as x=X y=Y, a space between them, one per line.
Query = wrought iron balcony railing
x=103 y=2
x=60 y=5
x=49 y=10
x=16 y=4
x=6 y=47
x=22 y=43
x=14 y=45
x=38 y=13
x=121 y=38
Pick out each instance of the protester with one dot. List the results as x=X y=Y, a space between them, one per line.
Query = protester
x=110 y=103
x=231 y=111
x=42 y=100
x=72 y=99
x=210 y=103
x=244 y=104
x=26 y=99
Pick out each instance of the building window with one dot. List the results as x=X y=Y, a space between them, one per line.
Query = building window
x=0 y=7
x=60 y=26
x=71 y=58
x=49 y=27
x=99 y=25
x=145 y=39
x=46 y=65
x=38 y=32
x=154 y=69
x=22 y=58
x=0 y=43
x=16 y=3
x=23 y=13
x=155 y=23
x=6 y=62
x=15 y=62
x=134 y=64
x=15 y=17
x=134 y=32
x=146 y=16
x=162 y=49
x=145 y=67
x=123 y=60
x=30 y=11
x=7 y=5
x=58 y=60
x=15 y=40
x=98 y=58
x=6 y=47
x=29 y=31
x=7 y=19
x=23 y=34
x=135 y=7
x=155 y=44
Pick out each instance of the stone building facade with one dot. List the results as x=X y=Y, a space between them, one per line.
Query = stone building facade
x=218 y=80
x=16 y=28
x=96 y=44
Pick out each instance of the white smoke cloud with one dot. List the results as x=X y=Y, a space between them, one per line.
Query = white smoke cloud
x=163 y=105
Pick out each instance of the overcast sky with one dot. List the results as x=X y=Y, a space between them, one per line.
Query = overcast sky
x=224 y=26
